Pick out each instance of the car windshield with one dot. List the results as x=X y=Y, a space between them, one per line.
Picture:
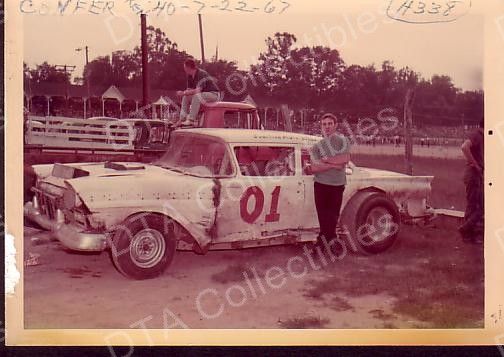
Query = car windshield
x=197 y=155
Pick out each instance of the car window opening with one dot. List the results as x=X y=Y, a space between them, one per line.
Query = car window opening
x=265 y=160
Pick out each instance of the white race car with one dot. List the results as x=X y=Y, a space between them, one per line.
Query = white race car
x=214 y=189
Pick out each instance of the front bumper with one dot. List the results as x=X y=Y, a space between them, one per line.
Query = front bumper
x=67 y=234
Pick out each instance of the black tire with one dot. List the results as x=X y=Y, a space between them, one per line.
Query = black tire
x=144 y=246
x=372 y=221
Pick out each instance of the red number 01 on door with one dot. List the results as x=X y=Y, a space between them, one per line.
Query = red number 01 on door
x=257 y=193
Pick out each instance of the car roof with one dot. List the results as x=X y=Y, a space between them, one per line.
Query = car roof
x=232 y=105
x=254 y=135
x=102 y=118
x=142 y=120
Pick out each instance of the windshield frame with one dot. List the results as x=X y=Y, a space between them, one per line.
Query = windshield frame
x=192 y=135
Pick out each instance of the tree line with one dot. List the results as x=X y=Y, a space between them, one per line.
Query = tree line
x=301 y=77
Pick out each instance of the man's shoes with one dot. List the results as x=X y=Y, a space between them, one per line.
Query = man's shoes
x=478 y=239
x=465 y=233
x=187 y=122
x=467 y=236
x=467 y=240
x=470 y=237
x=175 y=123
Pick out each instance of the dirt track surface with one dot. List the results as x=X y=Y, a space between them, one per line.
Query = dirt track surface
x=423 y=281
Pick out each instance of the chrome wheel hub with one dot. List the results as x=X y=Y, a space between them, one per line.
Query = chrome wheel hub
x=379 y=225
x=147 y=248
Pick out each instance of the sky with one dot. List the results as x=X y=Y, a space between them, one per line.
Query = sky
x=452 y=48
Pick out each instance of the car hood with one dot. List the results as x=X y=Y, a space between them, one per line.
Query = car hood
x=58 y=174
x=120 y=184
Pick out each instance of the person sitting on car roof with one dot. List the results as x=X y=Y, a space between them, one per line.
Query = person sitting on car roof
x=201 y=88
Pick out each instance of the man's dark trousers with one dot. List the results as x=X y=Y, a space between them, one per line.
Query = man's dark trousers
x=328 y=203
x=473 y=217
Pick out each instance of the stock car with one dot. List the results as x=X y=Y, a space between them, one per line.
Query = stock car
x=215 y=189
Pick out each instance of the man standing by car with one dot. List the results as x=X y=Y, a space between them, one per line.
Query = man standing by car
x=201 y=88
x=472 y=228
x=328 y=161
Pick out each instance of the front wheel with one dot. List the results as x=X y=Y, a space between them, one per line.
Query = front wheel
x=144 y=246
x=372 y=222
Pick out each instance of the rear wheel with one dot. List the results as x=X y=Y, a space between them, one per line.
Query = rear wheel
x=372 y=221
x=144 y=246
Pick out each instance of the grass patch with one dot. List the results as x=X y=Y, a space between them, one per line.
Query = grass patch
x=318 y=289
x=339 y=304
x=380 y=314
x=447 y=313
x=234 y=273
x=304 y=322
x=432 y=275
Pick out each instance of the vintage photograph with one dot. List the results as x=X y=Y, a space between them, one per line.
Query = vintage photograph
x=240 y=165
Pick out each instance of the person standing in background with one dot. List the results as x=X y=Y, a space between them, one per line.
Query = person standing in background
x=473 y=148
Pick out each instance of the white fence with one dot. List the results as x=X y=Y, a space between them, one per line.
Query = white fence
x=93 y=133
x=441 y=152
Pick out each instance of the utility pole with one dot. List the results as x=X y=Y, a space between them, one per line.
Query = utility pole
x=70 y=69
x=201 y=39
x=86 y=48
x=145 y=60
x=64 y=67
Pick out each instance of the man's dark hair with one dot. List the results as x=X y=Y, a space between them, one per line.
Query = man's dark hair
x=190 y=63
x=329 y=116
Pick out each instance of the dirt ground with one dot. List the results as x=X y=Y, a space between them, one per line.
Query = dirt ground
x=424 y=281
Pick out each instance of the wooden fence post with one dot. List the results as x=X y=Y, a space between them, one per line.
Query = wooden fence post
x=408 y=124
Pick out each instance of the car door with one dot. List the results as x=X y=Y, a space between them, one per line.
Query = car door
x=309 y=212
x=264 y=198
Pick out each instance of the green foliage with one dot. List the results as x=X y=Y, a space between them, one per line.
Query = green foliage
x=305 y=322
x=46 y=73
x=301 y=77
x=230 y=79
